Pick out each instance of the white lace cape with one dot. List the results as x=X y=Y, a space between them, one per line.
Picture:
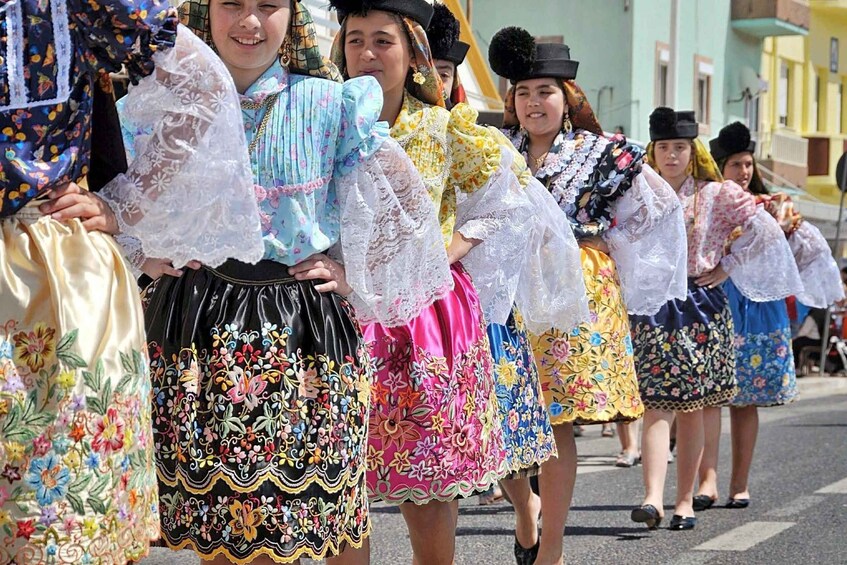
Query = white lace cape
x=649 y=244
x=188 y=194
x=499 y=215
x=391 y=242
x=551 y=292
x=760 y=261
x=818 y=270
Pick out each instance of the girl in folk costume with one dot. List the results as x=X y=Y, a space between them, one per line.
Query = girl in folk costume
x=448 y=53
x=260 y=372
x=684 y=353
x=587 y=371
x=435 y=431
x=76 y=428
x=764 y=361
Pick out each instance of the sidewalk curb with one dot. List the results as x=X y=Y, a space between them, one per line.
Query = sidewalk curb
x=813 y=387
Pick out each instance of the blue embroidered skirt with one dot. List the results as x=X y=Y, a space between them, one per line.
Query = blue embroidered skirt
x=684 y=353
x=527 y=431
x=764 y=361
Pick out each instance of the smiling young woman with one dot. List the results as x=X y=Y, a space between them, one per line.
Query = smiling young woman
x=587 y=372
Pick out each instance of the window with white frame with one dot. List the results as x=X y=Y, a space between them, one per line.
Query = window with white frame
x=704 y=70
x=784 y=94
x=662 y=86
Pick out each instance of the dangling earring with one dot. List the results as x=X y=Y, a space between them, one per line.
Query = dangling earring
x=567 y=126
x=418 y=78
x=286 y=52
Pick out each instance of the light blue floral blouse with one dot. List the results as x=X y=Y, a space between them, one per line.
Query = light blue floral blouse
x=318 y=131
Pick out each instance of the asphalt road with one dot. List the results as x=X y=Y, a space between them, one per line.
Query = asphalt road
x=798 y=514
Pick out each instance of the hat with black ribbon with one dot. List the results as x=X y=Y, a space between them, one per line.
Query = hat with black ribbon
x=665 y=123
x=443 y=34
x=515 y=55
x=734 y=138
x=418 y=10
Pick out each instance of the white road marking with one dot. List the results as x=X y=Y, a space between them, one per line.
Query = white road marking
x=839 y=487
x=796 y=506
x=744 y=537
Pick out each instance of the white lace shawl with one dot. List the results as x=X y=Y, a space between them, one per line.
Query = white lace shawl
x=818 y=270
x=499 y=214
x=649 y=244
x=551 y=292
x=391 y=242
x=188 y=194
x=760 y=261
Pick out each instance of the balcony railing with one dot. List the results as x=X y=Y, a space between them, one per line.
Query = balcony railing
x=765 y=18
x=784 y=148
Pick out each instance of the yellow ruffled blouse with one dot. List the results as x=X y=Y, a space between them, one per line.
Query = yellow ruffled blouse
x=450 y=150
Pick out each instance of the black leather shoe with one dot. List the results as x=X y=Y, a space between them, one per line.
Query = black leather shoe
x=682 y=523
x=703 y=502
x=737 y=503
x=647 y=514
x=526 y=555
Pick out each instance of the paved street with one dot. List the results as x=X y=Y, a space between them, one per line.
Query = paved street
x=798 y=513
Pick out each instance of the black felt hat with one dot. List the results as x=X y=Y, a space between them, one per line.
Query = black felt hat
x=734 y=138
x=514 y=54
x=665 y=123
x=418 y=10
x=443 y=35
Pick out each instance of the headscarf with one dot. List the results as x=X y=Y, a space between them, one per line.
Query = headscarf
x=304 y=54
x=702 y=167
x=457 y=94
x=579 y=109
x=428 y=87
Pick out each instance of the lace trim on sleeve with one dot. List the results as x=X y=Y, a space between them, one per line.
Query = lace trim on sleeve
x=499 y=214
x=551 y=292
x=188 y=194
x=819 y=272
x=133 y=252
x=649 y=244
x=761 y=263
x=391 y=240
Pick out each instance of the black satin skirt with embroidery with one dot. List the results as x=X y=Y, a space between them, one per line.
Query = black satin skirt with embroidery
x=261 y=389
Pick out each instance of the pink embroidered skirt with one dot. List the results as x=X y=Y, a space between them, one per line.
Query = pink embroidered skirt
x=435 y=432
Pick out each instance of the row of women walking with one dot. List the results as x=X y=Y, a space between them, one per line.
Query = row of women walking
x=359 y=293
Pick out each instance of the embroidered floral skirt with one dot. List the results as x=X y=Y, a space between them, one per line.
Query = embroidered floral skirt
x=527 y=432
x=764 y=363
x=588 y=374
x=685 y=354
x=77 y=475
x=435 y=431
x=260 y=390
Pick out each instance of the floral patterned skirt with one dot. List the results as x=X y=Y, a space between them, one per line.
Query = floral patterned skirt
x=588 y=374
x=76 y=447
x=260 y=414
x=527 y=432
x=435 y=432
x=685 y=353
x=764 y=363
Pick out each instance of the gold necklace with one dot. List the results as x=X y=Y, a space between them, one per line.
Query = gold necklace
x=267 y=104
x=538 y=161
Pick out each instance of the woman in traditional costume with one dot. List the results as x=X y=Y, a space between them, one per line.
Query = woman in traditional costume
x=685 y=353
x=587 y=371
x=261 y=377
x=448 y=53
x=435 y=430
x=76 y=442
x=764 y=362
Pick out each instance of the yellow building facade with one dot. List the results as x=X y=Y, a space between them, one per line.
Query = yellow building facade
x=803 y=113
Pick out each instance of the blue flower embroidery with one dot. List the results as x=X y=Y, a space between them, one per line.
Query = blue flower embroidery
x=48 y=478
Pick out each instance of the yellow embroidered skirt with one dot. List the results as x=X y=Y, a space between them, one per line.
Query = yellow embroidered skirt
x=588 y=374
x=76 y=454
